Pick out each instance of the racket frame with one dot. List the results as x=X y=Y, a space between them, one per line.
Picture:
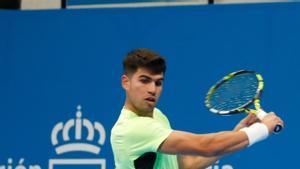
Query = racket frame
x=258 y=111
x=244 y=107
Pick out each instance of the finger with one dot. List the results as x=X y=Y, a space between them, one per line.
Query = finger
x=253 y=119
x=250 y=116
x=280 y=121
x=272 y=113
x=245 y=120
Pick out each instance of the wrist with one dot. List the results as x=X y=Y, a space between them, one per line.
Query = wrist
x=256 y=133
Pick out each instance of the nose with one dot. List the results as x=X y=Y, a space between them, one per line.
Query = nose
x=152 y=88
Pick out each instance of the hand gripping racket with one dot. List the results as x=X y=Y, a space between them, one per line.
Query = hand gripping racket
x=236 y=93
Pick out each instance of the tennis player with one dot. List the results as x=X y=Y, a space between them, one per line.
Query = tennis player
x=142 y=137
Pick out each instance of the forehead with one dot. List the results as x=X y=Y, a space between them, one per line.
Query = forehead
x=142 y=72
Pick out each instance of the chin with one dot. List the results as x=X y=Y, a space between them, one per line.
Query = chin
x=149 y=109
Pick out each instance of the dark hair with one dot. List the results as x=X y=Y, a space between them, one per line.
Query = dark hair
x=143 y=58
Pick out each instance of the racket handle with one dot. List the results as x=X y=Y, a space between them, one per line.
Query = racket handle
x=260 y=113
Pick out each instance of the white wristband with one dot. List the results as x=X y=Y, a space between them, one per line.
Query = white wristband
x=256 y=132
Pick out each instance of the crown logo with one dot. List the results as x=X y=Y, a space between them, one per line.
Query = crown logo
x=79 y=143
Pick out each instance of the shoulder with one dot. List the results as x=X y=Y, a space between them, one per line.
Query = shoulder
x=136 y=126
x=144 y=132
x=159 y=115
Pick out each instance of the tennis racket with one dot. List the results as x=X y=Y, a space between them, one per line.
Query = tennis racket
x=237 y=93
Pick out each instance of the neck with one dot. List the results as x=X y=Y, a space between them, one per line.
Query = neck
x=137 y=111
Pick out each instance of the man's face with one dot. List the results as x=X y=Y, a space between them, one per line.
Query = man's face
x=143 y=90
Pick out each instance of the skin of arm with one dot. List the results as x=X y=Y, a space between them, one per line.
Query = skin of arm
x=196 y=151
x=198 y=162
x=202 y=161
x=207 y=145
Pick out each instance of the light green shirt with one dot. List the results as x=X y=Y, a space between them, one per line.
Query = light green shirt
x=133 y=135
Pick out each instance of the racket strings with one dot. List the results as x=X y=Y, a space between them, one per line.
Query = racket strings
x=234 y=92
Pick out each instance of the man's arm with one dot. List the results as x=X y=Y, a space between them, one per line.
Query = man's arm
x=211 y=144
x=207 y=145
x=199 y=162
x=200 y=151
x=195 y=162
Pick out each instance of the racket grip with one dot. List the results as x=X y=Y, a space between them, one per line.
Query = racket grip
x=260 y=113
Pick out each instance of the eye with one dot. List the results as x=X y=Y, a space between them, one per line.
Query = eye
x=145 y=80
x=158 y=83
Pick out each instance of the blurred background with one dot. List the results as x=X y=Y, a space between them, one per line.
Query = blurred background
x=56 y=55
x=57 y=4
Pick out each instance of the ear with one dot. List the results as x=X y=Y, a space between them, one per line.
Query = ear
x=125 y=82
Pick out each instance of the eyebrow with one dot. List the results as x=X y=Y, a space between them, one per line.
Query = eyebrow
x=145 y=76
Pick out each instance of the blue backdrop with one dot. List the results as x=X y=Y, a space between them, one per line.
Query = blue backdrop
x=52 y=61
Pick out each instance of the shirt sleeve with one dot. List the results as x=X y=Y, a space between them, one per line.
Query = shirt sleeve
x=146 y=135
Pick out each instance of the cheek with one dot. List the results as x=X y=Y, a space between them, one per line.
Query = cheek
x=137 y=87
x=159 y=90
x=139 y=92
x=136 y=91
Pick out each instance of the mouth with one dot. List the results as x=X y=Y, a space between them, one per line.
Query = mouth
x=151 y=99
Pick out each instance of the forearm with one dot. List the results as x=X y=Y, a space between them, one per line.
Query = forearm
x=201 y=162
x=237 y=141
x=218 y=144
x=207 y=145
x=195 y=162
